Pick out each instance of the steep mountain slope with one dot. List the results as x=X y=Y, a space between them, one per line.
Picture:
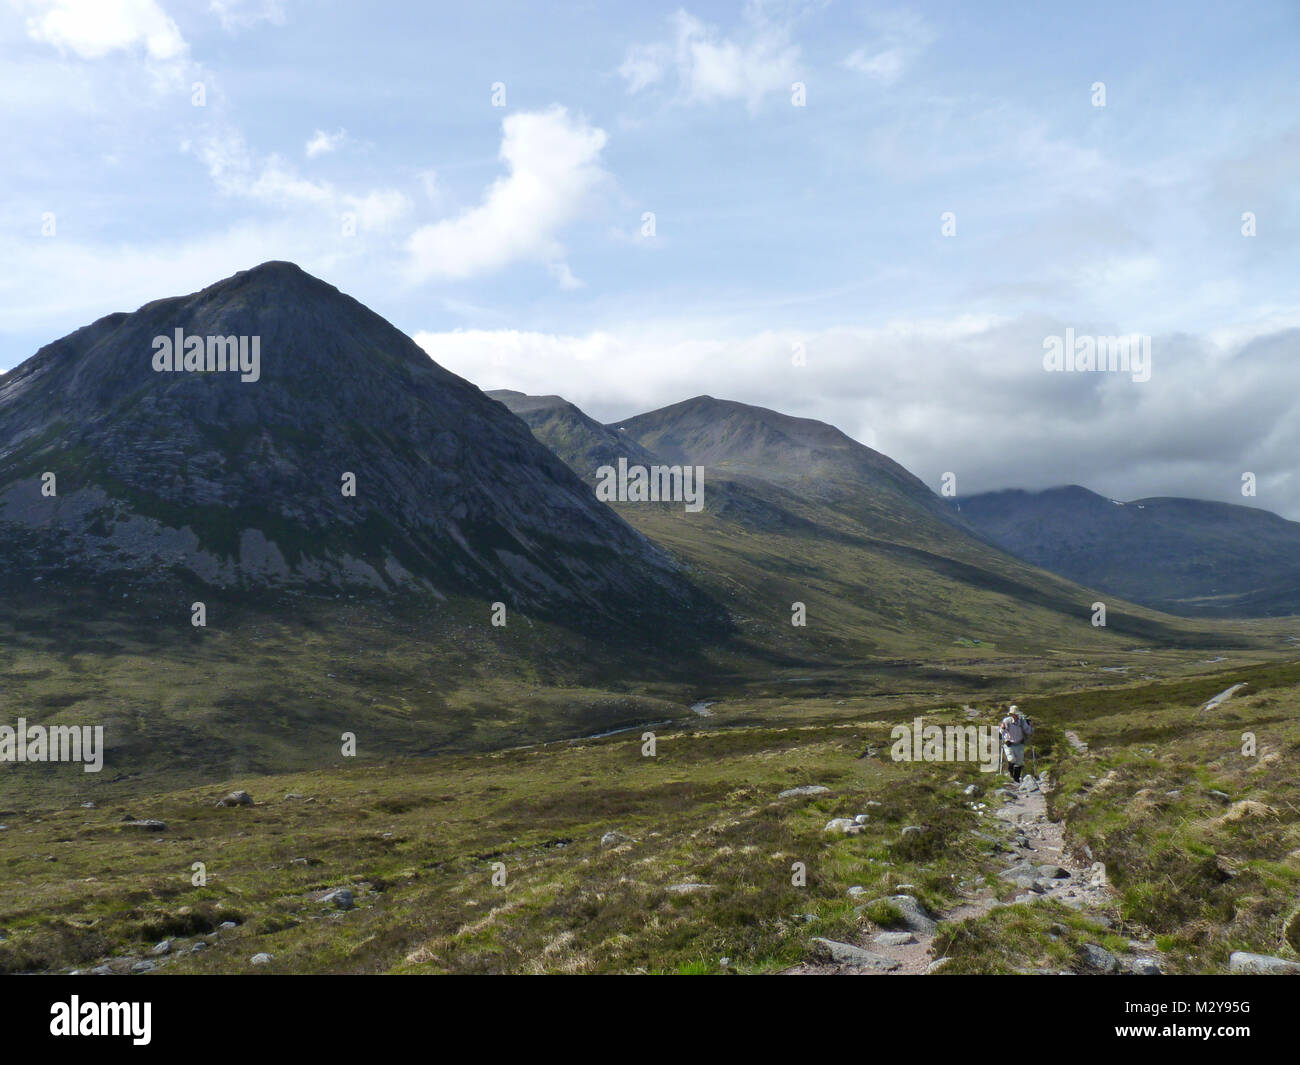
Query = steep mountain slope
x=238 y=479
x=1186 y=556
x=797 y=512
x=813 y=461
x=585 y=446
x=582 y=442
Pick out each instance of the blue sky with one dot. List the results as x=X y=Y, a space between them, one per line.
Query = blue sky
x=509 y=239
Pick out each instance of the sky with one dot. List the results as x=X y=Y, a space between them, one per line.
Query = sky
x=875 y=215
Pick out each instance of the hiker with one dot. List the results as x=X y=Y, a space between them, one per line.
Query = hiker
x=1015 y=729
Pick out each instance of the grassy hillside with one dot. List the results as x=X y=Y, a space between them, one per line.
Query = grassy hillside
x=416 y=840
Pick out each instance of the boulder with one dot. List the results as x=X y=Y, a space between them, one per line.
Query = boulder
x=236 y=798
x=893 y=939
x=1099 y=959
x=802 y=790
x=1244 y=962
x=847 y=954
x=341 y=897
x=914 y=915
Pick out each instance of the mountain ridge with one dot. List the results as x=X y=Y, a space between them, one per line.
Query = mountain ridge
x=1197 y=558
x=239 y=482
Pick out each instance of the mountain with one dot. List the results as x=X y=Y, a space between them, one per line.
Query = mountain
x=581 y=442
x=585 y=445
x=1185 y=556
x=236 y=478
x=796 y=511
x=814 y=461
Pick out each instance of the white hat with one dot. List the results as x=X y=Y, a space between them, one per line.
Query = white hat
x=1013 y=709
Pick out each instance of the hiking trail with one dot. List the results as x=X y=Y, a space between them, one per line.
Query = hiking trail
x=1039 y=865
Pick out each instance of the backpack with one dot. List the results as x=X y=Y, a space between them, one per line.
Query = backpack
x=1026 y=726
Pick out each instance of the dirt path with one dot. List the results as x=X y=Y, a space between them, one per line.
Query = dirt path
x=1038 y=865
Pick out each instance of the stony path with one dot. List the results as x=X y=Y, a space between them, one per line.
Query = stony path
x=1039 y=866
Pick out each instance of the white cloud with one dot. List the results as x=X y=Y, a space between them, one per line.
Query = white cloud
x=93 y=28
x=712 y=67
x=884 y=66
x=644 y=65
x=241 y=14
x=377 y=209
x=554 y=166
x=322 y=143
x=237 y=171
x=429 y=183
x=899 y=40
x=967 y=395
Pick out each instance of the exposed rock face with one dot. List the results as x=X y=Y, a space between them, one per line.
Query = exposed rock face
x=241 y=483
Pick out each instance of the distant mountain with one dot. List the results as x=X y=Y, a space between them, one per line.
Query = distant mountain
x=582 y=442
x=797 y=511
x=1185 y=556
x=585 y=446
x=237 y=479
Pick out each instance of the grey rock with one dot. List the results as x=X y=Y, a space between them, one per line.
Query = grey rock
x=1099 y=958
x=611 y=839
x=802 y=790
x=1020 y=869
x=914 y=915
x=236 y=798
x=893 y=939
x=847 y=954
x=227 y=926
x=688 y=888
x=341 y=897
x=147 y=824
x=261 y=959
x=936 y=965
x=973 y=790
x=144 y=966
x=1242 y=961
x=1145 y=967
x=840 y=824
x=165 y=947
